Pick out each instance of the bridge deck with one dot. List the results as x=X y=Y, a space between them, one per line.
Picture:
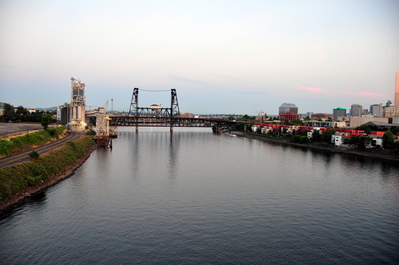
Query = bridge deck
x=162 y=121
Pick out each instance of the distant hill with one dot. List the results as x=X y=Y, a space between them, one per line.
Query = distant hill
x=51 y=108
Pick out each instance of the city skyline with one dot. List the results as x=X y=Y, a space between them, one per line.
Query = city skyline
x=220 y=56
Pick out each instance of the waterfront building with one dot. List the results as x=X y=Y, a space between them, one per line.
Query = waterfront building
x=287 y=107
x=339 y=112
x=356 y=110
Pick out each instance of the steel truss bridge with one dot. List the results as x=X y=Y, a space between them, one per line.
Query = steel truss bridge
x=156 y=116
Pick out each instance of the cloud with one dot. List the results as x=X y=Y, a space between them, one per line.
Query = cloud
x=320 y=52
x=365 y=94
x=188 y=80
x=313 y=89
x=389 y=52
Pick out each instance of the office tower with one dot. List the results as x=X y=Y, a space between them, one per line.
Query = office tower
x=376 y=110
x=356 y=110
x=287 y=107
x=339 y=112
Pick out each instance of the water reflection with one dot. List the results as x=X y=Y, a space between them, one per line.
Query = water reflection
x=192 y=197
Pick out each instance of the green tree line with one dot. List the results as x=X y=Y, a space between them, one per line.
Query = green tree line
x=21 y=114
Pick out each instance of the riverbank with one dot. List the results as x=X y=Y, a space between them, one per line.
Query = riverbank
x=380 y=154
x=20 y=198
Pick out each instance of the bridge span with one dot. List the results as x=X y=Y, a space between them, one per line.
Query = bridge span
x=158 y=116
x=165 y=121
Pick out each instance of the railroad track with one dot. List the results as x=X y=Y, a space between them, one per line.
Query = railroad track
x=24 y=156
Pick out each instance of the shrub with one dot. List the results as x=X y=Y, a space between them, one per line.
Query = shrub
x=39 y=174
x=5 y=147
x=304 y=139
x=34 y=155
x=91 y=132
x=296 y=138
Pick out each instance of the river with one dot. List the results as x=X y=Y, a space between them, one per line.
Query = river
x=193 y=197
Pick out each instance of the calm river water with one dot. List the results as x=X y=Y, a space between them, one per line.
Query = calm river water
x=193 y=197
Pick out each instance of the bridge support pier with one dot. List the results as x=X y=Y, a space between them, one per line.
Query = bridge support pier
x=215 y=129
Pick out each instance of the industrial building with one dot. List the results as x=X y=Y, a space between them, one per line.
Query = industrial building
x=73 y=114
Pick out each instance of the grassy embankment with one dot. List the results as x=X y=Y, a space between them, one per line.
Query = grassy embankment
x=17 y=178
x=17 y=144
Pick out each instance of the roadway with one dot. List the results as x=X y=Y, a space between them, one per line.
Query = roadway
x=11 y=128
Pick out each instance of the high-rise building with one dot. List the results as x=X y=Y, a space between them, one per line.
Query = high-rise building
x=376 y=110
x=339 y=112
x=287 y=107
x=356 y=110
x=397 y=89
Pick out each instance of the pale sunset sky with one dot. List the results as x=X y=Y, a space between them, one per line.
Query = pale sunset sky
x=233 y=57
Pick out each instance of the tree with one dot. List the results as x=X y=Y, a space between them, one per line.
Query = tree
x=363 y=141
x=46 y=121
x=287 y=122
x=8 y=113
x=367 y=128
x=388 y=139
x=307 y=118
x=326 y=136
x=21 y=114
x=297 y=122
x=316 y=136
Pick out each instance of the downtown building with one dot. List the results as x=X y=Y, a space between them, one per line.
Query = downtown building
x=356 y=110
x=287 y=108
x=377 y=110
x=339 y=112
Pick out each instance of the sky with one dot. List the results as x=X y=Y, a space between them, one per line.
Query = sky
x=232 y=57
